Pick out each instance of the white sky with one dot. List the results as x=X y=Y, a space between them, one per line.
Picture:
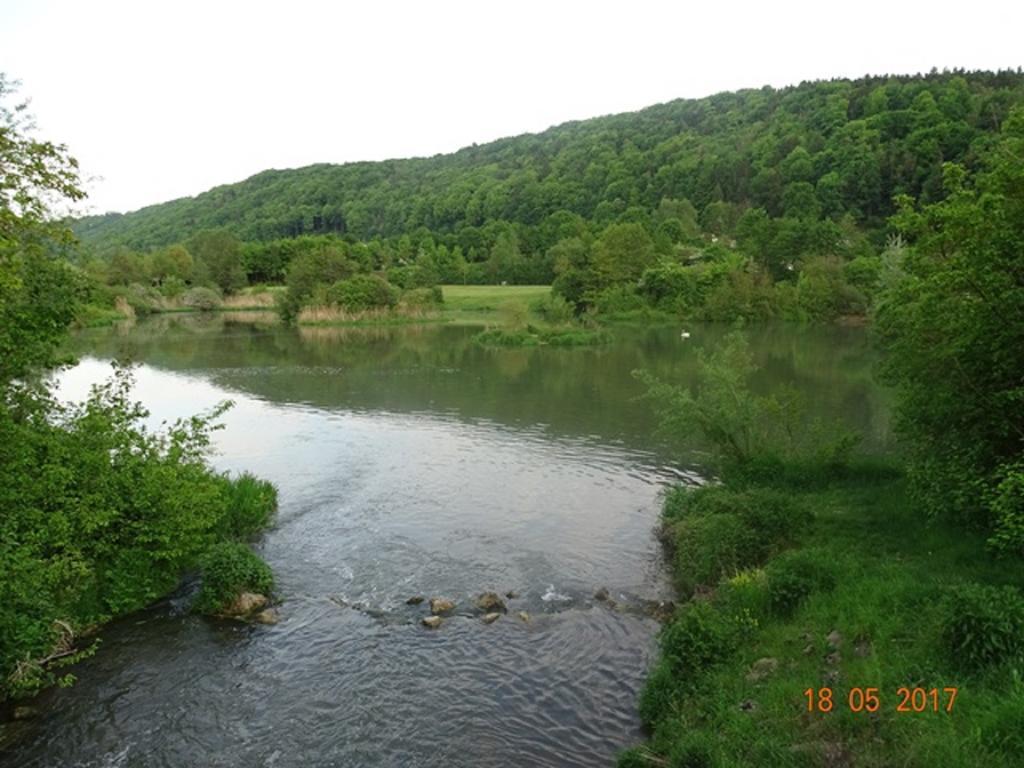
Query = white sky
x=164 y=100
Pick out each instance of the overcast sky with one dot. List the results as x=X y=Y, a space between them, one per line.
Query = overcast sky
x=165 y=100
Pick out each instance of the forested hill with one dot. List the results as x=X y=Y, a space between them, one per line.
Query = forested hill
x=818 y=150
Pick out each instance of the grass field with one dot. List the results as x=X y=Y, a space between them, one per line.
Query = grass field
x=474 y=304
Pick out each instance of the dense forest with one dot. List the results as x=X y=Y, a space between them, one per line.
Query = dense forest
x=752 y=188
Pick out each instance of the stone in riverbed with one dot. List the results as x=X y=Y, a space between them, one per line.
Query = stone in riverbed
x=25 y=713
x=512 y=594
x=266 y=616
x=433 y=622
x=415 y=600
x=601 y=594
x=490 y=618
x=524 y=616
x=489 y=602
x=246 y=603
x=439 y=605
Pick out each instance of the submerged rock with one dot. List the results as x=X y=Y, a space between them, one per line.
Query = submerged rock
x=266 y=616
x=490 y=618
x=601 y=594
x=523 y=616
x=489 y=602
x=415 y=600
x=25 y=713
x=246 y=603
x=432 y=621
x=439 y=605
x=512 y=594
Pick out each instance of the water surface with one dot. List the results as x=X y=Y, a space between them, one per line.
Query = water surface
x=412 y=462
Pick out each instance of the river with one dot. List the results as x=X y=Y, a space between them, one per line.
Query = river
x=410 y=461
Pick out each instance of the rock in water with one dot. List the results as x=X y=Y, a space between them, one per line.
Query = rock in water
x=246 y=603
x=490 y=618
x=25 y=713
x=439 y=605
x=512 y=594
x=414 y=600
x=489 y=602
x=524 y=616
x=266 y=616
x=432 y=621
x=601 y=594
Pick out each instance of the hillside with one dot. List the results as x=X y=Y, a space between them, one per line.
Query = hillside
x=819 y=150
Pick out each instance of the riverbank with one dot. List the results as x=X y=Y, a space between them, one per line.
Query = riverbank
x=862 y=635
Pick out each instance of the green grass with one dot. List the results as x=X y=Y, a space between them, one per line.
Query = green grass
x=477 y=304
x=889 y=575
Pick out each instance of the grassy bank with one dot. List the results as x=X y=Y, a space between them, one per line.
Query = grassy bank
x=807 y=580
x=490 y=304
x=119 y=305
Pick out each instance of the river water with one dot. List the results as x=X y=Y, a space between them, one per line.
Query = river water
x=412 y=462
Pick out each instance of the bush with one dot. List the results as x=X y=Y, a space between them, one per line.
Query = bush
x=362 y=292
x=710 y=546
x=618 y=298
x=984 y=626
x=554 y=309
x=698 y=639
x=793 y=576
x=203 y=299
x=228 y=569
x=745 y=594
x=716 y=531
x=251 y=502
x=172 y=287
x=423 y=298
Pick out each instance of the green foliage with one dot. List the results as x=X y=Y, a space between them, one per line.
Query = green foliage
x=739 y=425
x=218 y=257
x=984 y=626
x=328 y=263
x=793 y=576
x=951 y=321
x=362 y=292
x=203 y=299
x=99 y=515
x=716 y=531
x=554 y=309
x=228 y=569
x=699 y=638
x=251 y=502
x=422 y=298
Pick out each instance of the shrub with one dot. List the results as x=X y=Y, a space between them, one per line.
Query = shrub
x=423 y=298
x=203 y=299
x=251 y=502
x=983 y=626
x=229 y=568
x=745 y=594
x=362 y=292
x=172 y=287
x=618 y=298
x=698 y=639
x=554 y=309
x=710 y=546
x=793 y=576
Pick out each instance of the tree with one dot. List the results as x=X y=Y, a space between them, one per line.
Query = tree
x=220 y=254
x=952 y=327
x=38 y=290
x=622 y=253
